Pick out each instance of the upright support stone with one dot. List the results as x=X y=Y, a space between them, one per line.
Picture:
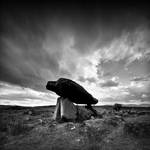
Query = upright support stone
x=65 y=109
x=56 y=115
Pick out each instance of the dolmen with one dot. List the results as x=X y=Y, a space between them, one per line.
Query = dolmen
x=70 y=92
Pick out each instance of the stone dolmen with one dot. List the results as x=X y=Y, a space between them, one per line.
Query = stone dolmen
x=70 y=92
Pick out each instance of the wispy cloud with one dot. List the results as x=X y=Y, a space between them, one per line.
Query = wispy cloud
x=110 y=83
x=139 y=78
x=130 y=46
x=92 y=47
x=17 y=95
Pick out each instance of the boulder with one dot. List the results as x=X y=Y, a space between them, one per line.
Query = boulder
x=117 y=107
x=67 y=88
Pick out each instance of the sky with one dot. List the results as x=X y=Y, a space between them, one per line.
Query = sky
x=105 y=47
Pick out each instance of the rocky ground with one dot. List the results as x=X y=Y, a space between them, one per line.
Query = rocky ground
x=32 y=128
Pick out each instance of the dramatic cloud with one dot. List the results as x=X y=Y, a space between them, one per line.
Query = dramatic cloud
x=90 y=80
x=110 y=83
x=16 y=95
x=144 y=78
x=97 y=45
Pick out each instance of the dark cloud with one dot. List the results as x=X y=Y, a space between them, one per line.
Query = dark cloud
x=23 y=57
x=108 y=68
x=139 y=78
x=106 y=74
x=32 y=35
x=109 y=83
x=90 y=80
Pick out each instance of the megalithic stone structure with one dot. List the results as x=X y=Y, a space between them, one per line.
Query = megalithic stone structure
x=65 y=109
x=67 y=88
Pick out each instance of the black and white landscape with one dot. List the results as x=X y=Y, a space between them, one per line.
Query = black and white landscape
x=104 y=47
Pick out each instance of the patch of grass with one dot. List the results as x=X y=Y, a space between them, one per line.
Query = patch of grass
x=3 y=138
x=14 y=127
x=3 y=126
x=137 y=129
x=92 y=147
x=93 y=135
x=17 y=128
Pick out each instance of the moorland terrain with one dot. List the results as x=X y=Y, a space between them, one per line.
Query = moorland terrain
x=32 y=128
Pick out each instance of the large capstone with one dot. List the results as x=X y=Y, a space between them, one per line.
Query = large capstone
x=69 y=89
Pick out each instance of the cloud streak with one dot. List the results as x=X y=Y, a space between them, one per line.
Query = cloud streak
x=18 y=95
x=110 y=83
x=144 y=78
x=91 y=46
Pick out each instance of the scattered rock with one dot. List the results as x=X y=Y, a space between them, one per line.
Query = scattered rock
x=117 y=107
x=84 y=114
x=78 y=140
x=92 y=117
x=30 y=112
x=73 y=128
x=27 y=118
x=40 y=121
x=94 y=123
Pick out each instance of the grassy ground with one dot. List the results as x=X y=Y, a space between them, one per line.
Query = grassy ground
x=24 y=128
